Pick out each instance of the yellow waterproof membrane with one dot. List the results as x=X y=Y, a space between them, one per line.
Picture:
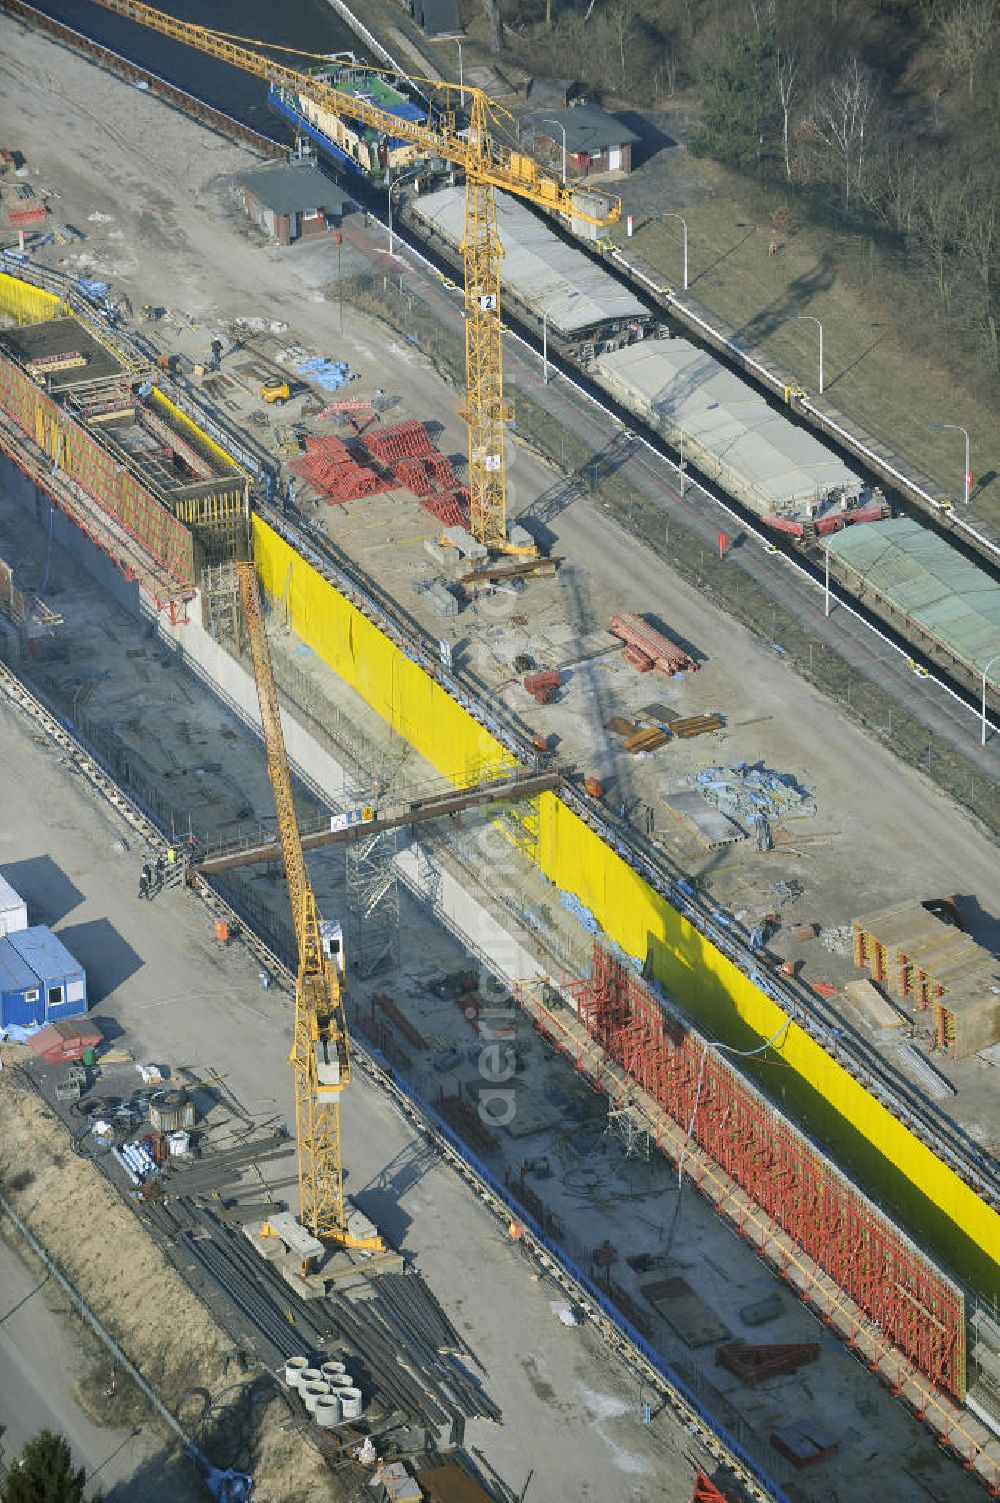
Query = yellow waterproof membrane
x=186 y=425
x=911 y=1184
x=407 y=698
x=27 y=304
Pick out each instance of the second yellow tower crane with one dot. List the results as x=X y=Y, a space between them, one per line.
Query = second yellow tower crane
x=320 y=1056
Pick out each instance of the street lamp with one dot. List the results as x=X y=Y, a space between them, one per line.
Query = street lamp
x=994 y=659
x=956 y=428
x=547 y=120
x=461 y=75
x=396 y=183
x=545 y=348
x=812 y=319
x=684 y=223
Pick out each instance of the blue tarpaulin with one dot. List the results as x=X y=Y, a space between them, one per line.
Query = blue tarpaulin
x=330 y=374
x=91 y=289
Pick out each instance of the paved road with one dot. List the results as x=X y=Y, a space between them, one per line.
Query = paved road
x=645 y=472
x=40 y=1364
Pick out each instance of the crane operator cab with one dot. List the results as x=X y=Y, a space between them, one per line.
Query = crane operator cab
x=331 y=936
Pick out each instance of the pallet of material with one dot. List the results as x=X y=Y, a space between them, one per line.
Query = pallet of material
x=648 y=740
x=712 y=827
x=639 y=660
x=695 y=725
x=804 y=1443
x=874 y=1008
x=754 y=1364
x=930 y=965
x=543 y=686
x=621 y=726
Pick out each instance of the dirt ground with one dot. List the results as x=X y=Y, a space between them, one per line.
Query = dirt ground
x=131 y=1287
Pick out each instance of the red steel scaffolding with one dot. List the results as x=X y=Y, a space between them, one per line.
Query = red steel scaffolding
x=917 y=1309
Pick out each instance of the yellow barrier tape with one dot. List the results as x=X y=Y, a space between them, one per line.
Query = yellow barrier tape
x=908 y=1178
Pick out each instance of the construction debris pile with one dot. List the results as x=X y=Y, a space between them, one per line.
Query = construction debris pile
x=755 y=797
x=399 y=457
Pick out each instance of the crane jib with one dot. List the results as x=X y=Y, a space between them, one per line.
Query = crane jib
x=474 y=151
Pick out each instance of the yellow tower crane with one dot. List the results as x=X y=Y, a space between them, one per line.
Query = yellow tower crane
x=320 y=1056
x=488 y=165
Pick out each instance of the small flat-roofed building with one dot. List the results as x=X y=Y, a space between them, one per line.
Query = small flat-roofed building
x=437 y=18
x=596 y=142
x=292 y=201
x=13 y=909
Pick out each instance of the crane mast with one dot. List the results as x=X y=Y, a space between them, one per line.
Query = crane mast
x=320 y=1056
x=487 y=165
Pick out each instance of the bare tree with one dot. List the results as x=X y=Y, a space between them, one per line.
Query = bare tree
x=965 y=33
x=492 y=9
x=788 y=75
x=840 y=115
x=621 y=18
x=896 y=186
x=936 y=219
x=979 y=238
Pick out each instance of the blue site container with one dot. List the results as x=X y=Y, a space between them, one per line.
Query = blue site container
x=21 y=997
x=60 y=978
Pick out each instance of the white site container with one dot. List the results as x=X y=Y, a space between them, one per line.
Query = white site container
x=13 y=910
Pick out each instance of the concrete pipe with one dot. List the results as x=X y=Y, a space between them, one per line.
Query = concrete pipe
x=326 y=1410
x=309 y=1375
x=311 y=1392
x=294 y=1368
x=331 y=1370
x=340 y=1380
x=350 y=1402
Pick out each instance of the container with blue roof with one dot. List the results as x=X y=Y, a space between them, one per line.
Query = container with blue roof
x=40 y=981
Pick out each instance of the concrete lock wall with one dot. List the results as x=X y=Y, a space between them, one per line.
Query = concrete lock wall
x=916 y=1188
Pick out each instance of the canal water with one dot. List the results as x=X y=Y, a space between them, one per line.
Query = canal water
x=311 y=25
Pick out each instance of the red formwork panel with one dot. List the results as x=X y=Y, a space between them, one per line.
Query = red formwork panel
x=329 y=466
x=705 y=1491
x=402 y=441
x=918 y=1310
x=450 y=510
x=440 y=470
x=412 y=474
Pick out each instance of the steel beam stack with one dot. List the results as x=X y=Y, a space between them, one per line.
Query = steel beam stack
x=648 y=648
